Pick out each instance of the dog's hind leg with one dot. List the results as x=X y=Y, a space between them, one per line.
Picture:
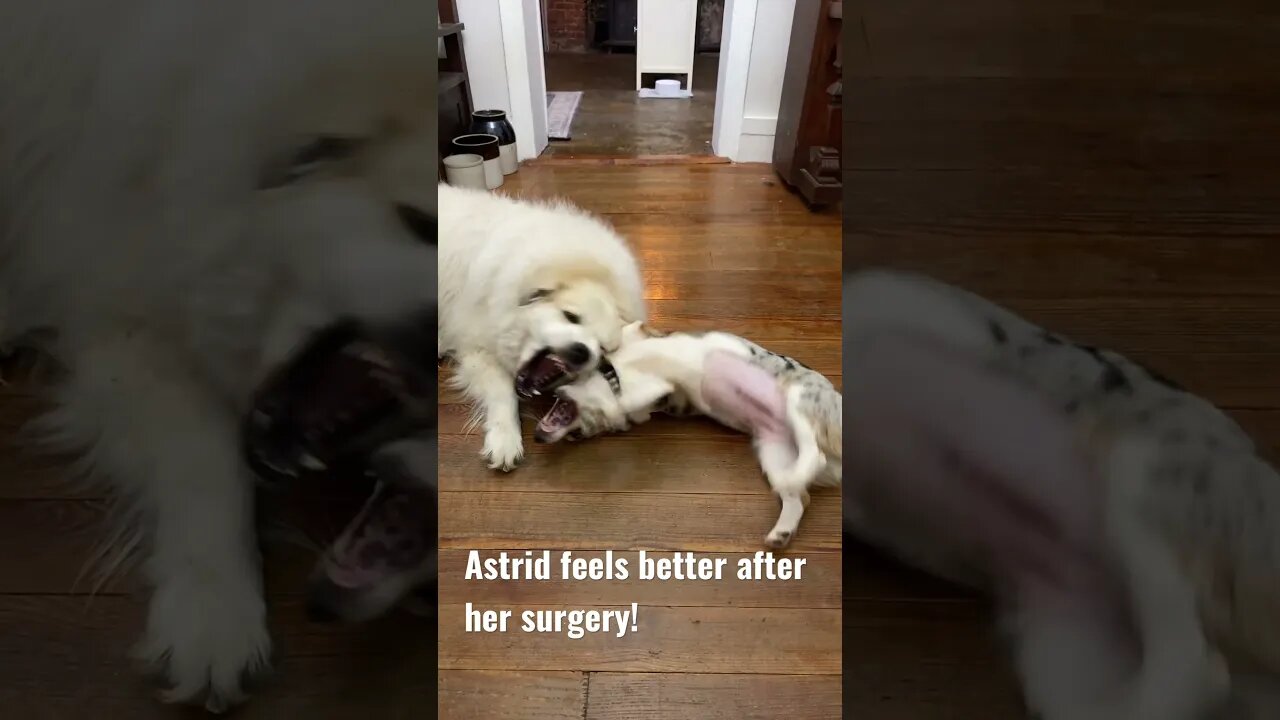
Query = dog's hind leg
x=481 y=378
x=777 y=459
x=171 y=450
x=1078 y=660
x=1139 y=654
x=1180 y=674
x=1071 y=651
x=790 y=473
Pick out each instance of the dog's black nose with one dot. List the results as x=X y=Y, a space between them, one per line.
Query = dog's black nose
x=577 y=354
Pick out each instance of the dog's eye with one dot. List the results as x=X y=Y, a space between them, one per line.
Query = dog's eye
x=572 y=317
x=535 y=296
x=422 y=225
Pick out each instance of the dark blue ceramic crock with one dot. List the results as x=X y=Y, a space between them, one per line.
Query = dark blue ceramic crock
x=494 y=122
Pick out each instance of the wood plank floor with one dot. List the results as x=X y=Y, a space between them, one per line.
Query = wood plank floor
x=723 y=247
x=714 y=240
x=1108 y=169
x=64 y=653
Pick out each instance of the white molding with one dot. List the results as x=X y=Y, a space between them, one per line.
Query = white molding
x=536 y=52
x=731 y=86
x=516 y=52
x=755 y=149
x=759 y=126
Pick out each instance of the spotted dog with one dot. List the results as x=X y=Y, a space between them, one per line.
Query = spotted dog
x=1202 y=490
x=792 y=412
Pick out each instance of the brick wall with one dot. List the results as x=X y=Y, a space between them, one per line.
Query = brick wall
x=567 y=24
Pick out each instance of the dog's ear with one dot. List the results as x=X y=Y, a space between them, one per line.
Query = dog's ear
x=307 y=159
x=536 y=295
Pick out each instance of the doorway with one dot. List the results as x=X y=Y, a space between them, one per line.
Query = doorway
x=594 y=108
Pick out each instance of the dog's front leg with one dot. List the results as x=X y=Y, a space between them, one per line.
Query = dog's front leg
x=172 y=449
x=483 y=380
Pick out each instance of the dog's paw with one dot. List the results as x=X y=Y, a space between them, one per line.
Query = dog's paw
x=503 y=449
x=778 y=539
x=207 y=638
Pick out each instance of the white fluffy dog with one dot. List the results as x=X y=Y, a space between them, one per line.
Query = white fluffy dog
x=530 y=294
x=187 y=191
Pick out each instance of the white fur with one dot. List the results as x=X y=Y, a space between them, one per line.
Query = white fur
x=495 y=254
x=652 y=368
x=1074 y=664
x=133 y=136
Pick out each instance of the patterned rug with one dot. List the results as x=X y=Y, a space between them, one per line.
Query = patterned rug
x=561 y=107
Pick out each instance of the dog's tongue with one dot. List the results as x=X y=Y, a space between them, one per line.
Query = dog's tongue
x=561 y=415
x=390 y=534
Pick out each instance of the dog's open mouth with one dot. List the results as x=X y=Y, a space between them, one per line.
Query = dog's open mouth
x=335 y=402
x=391 y=534
x=339 y=400
x=543 y=373
x=557 y=421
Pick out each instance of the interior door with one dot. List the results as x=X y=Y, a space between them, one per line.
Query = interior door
x=622 y=21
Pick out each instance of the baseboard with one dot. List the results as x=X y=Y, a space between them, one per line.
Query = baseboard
x=630 y=160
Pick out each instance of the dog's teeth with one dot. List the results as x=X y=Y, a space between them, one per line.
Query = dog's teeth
x=311 y=462
x=537 y=393
x=388 y=379
x=282 y=470
x=375 y=357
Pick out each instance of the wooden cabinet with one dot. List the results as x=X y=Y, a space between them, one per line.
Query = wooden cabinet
x=807 y=143
x=454 y=91
x=666 y=33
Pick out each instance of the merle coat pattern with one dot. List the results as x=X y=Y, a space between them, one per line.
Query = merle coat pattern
x=1208 y=491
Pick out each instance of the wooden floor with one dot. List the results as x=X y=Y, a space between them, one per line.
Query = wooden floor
x=64 y=654
x=1110 y=169
x=723 y=247
x=613 y=121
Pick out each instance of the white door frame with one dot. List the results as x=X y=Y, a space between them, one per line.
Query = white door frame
x=522 y=41
x=521 y=78
x=739 y=26
x=503 y=42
